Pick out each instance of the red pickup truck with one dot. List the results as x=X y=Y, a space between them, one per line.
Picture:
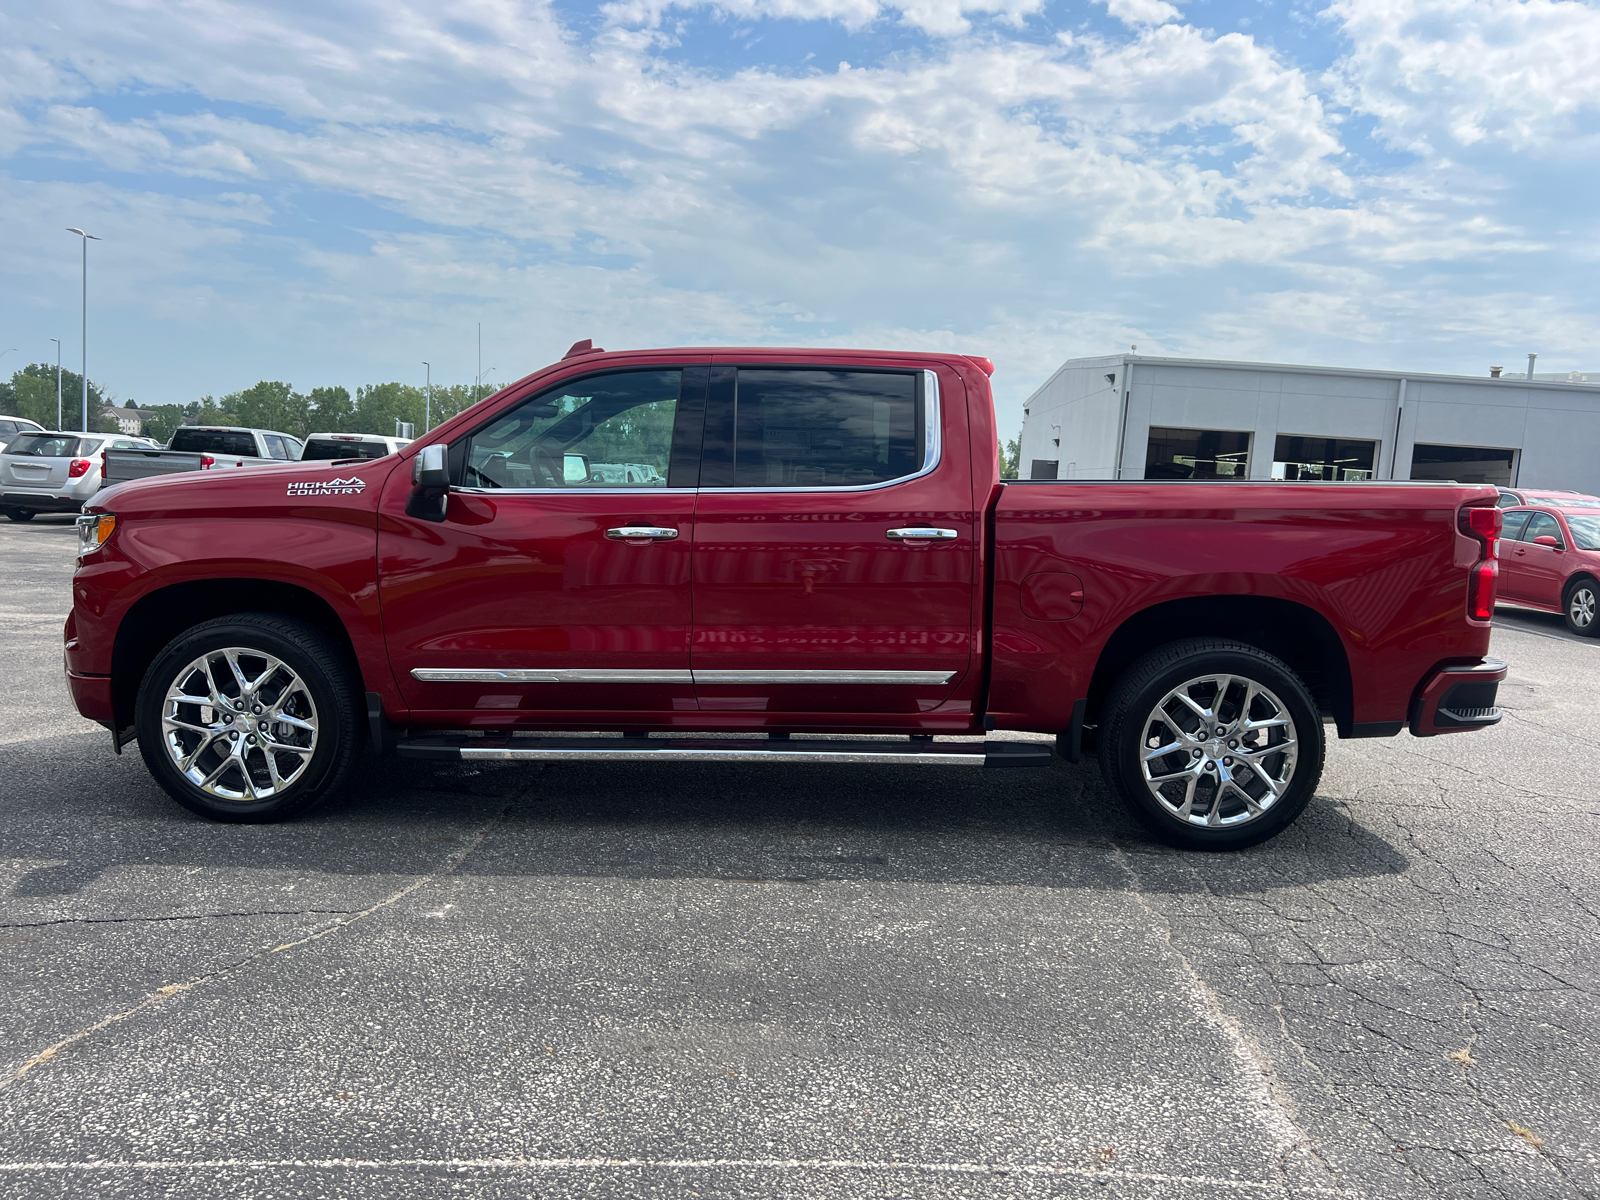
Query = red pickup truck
x=791 y=545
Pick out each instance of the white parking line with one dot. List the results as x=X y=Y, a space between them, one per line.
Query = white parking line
x=866 y=1166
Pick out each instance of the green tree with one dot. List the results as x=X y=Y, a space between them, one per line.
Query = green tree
x=1010 y=461
x=380 y=405
x=166 y=421
x=451 y=401
x=206 y=411
x=332 y=411
x=273 y=405
x=32 y=394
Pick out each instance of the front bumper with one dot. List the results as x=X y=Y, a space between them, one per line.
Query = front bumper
x=45 y=502
x=1458 y=699
x=92 y=696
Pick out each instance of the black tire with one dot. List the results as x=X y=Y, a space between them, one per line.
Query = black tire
x=327 y=700
x=1580 y=606
x=1130 y=711
x=20 y=514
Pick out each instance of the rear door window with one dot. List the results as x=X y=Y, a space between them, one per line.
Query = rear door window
x=215 y=441
x=825 y=428
x=51 y=445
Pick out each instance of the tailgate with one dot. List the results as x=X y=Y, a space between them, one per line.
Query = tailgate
x=22 y=470
x=123 y=465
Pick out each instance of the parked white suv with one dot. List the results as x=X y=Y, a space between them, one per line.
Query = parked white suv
x=11 y=426
x=328 y=446
x=43 y=471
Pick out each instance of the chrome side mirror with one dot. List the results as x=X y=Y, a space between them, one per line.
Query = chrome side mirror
x=429 y=469
x=430 y=479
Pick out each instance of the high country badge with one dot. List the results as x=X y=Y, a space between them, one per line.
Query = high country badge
x=330 y=487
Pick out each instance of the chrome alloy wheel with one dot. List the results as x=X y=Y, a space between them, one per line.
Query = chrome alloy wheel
x=239 y=724
x=1218 y=751
x=1581 y=606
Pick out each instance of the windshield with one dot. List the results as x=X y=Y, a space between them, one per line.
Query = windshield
x=1585 y=531
x=318 y=448
x=52 y=445
x=215 y=441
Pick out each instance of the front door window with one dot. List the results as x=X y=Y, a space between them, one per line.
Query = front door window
x=605 y=431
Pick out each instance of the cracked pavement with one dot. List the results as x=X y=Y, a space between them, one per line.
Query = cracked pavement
x=725 y=980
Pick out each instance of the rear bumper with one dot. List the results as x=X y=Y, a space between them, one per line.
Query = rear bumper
x=1458 y=699
x=45 y=502
x=92 y=695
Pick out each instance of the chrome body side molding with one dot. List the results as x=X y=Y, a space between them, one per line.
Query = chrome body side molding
x=836 y=677
x=543 y=675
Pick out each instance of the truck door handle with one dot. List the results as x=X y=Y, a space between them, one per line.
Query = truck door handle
x=641 y=533
x=921 y=533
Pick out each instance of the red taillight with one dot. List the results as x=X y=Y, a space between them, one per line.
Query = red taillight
x=207 y=462
x=78 y=468
x=1483 y=523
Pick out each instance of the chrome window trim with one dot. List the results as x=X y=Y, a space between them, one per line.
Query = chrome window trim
x=932 y=453
x=716 y=678
x=574 y=491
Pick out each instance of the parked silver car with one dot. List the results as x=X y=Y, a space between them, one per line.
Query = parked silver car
x=44 y=471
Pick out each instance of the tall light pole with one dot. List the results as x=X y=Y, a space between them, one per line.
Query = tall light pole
x=87 y=238
x=427 y=405
x=57 y=341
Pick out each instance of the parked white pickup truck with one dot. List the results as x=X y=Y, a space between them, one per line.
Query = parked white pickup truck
x=202 y=448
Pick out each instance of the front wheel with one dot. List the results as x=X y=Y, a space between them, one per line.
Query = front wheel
x=19 y=514
x=1214 y=745
x=1579 y=607
x=249 y=718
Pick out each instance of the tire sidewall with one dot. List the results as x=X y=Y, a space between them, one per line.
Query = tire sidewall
x=265 y=635
x=1120 y=751
x=1566 y=607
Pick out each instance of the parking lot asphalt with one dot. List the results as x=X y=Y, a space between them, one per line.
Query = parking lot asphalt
x=721 y=980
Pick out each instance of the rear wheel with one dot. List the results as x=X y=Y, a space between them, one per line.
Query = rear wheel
x=1213 y=745
x=19 y=514
x=249 y=718
x=1581 y=606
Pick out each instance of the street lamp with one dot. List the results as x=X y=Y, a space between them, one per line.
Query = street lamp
x=427 y=405
x=87 y=238
x=57 y=341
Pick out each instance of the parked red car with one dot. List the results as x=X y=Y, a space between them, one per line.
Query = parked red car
x=1517 y=497
x=1550 y=560
x=772 y=542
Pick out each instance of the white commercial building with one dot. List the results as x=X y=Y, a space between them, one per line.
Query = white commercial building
x=1127 y=416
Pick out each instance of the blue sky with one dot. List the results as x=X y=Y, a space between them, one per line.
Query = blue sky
x=331 y=192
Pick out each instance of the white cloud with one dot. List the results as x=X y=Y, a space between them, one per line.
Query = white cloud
x=941 y=18
x=1444 y=75
x=1143 y=12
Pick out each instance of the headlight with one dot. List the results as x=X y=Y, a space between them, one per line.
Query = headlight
x=93 y=530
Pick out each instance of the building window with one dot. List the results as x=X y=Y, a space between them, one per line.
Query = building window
x=1463 y=464
x=1197 y=454
x=1328 y=459
x=1044 y=468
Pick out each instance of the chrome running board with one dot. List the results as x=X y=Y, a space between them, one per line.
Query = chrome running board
x=991 y=753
